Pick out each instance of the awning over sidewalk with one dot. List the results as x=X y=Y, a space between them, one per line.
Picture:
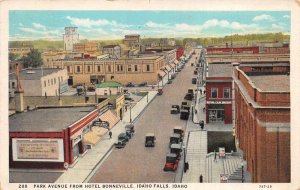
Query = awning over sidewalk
x=110 y=117
x=91 y=138
x=176 y=62
x=168 y=68
x=173 y=65
x=161 y=73
x=99 y=131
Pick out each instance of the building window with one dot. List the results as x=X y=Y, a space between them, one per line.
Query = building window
x=48 y=82
x=109 y=68
x=78 y=69
x=98 y=68
x=135 y=68
x=148 y=67
x=51 y=81
x=226 y=92
x=214 y=92
x=129 y=68
x=89 y=68
x=13 y=84
x=68 y=69
x=54 y=80
x=45 y=83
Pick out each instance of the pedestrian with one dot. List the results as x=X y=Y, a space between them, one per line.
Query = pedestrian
x=110 y=134
x=203 y=109
x=201 y=123
x=204 y=92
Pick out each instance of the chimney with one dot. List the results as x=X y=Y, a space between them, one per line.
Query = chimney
x=19 y=93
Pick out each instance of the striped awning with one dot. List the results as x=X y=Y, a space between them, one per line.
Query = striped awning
x=168 y=67
x=99 y=131
x=110 y=117
x=161 y=73
x=91 y=138
x=173 y=65
x=176 y=62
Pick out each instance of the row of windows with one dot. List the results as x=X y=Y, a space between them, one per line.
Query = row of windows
x=119 y=68
x=214 y=93
x=52 y=81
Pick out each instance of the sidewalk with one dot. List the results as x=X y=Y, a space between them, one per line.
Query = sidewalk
x=87 y=165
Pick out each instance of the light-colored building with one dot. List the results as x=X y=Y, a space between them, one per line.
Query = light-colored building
x=109 y=88
x=21 y=51
x=133 y=41
x=85 y=47
x=70 y=37
x=40 y=82
x=113 y=50
x=137 y=70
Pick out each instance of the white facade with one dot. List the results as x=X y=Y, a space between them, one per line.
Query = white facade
x=70 y=37
x=45 y=84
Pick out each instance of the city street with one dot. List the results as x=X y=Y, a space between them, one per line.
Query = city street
x=136 y=163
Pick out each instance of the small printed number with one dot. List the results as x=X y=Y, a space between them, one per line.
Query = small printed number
x=21 y=186
x=265 y=186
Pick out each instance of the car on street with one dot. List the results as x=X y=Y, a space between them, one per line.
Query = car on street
x=175 y=109
x=123 y=137
x=129 y=128
x=160 y=91
x=143 y=84
x=184 y=114
x=150 y=140
x=130 y=84
x=194 y=80
x=171 y=162
x=176 y=149
x=174 y=139
x=189 y=96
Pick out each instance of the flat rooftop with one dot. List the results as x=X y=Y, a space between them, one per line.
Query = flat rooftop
x=34 y=74
x=48 y=119
x=277 y=83
x=220 y=70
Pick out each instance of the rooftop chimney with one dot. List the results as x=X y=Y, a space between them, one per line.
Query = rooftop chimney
x=19 y=93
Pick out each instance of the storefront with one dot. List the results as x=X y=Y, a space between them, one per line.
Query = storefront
x=219 y=111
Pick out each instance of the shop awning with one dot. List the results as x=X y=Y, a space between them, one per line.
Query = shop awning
x=91 y=138
x=161 y=73
x=176 y=62
x=99 y=131
x=173 y=65
x=110 y=117
x=168 y=67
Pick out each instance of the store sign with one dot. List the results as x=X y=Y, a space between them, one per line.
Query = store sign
x=218 y=102
x=38 y=150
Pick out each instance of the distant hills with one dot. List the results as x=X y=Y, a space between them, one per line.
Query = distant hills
x=247 y=39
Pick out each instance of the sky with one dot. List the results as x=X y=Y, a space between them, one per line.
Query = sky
x=104 y=25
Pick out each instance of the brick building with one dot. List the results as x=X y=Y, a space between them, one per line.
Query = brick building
x=133 y=41
x=262 y=121
x=219 y=93
x=114 y=51
x=85 y=47
x=179 y=53
x=233 y=50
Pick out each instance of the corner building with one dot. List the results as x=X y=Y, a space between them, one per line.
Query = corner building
x=262 y=121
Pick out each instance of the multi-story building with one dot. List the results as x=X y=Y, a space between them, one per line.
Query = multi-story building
x=85 y=47
x=219 y=93
x=133 y=41
x=113 y=50
x=262 y=120
x=136 y=70
x=40 y=81
x=20 y=51
x=70 y=38
x=232 y=50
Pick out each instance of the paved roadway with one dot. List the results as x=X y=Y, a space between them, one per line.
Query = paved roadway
x=137 y=164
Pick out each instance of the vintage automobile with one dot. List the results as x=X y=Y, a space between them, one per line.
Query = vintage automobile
x=194 y=80
x=176 y=149
x=184 y=114
x=169 y=81
x=120 y=144
x=173 y=76
x=160 y=91
x=171 y=162
x=174 y=139
x=175 y=109
x=123 y=138
x=150 y=140
x=191 y=91
x=195 y=72
x=189 y=96
x=143 y=84
x=179 y=130
x=186 y=105
x=130 y=84
x=129 y=128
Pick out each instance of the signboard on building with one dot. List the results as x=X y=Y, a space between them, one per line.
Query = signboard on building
x=38 y=150
x=63 y=87
x=218 y=102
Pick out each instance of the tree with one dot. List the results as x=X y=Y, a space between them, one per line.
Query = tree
x=12 y=57
x=33 y=59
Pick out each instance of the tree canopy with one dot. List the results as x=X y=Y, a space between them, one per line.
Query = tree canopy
x=33 y=59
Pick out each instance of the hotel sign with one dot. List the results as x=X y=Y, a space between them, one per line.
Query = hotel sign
x=218 y=102
x=38 y=150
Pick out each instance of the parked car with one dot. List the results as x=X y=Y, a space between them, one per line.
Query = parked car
x=150 y=140
x=195 y=72
x=176 y=149
x=173 y=76
x=123 y=137
x=174 y=139
x=194 y=80
x=143 y=84
x=184 y=114
x=129 y=130
x=189 y=96
x=130 y=84
x=171 y=162
x=160 y=91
